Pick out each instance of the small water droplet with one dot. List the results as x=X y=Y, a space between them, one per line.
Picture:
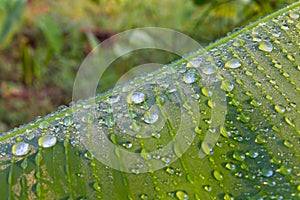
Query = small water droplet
x=47 y=141
x=113 y=99
x=20 y=149
x=207 y=188
x=252 y=153
x=143 y=197
x=150 y=116
x=182 y=195
x=227 y=86
x=218 y=175
x=233 y=64
x=68 y=121
x=288 y=143
x=136 y=97
x=208 y=70
x=280 y=108
x=206 y=92
x=44 y=125
x=294 y=15
x=190 y=77
x=267 y=172
x=265 y=46
x=230 y=166
x=239 y=155
x=97 y=186
x=285 y=169
x=127 y=145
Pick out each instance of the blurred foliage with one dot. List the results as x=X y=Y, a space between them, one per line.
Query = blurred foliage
x=43 y=43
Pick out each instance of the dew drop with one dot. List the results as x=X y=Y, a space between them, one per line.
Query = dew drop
x=143 y=197
x=20 y=149
x=190 y=77
x=280 y=108
x=265 y=46
x=230 y=166
x=96 y=186
x=68 y=121
x=182 y=195
x=294 y=15
x=233 y=64
x=47 y=141
x=267 y=172
x=44 y=125
x=208 y=70
x=228 y=197
x=218 y=175
x=238 y=155
x=136 y=97
x=227 y=86
x=113 y=99
x=207 y=188
x=150 y=117
x=206 y=92
x=285 y=169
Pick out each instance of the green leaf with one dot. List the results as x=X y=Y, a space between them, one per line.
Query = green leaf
x=255 y=157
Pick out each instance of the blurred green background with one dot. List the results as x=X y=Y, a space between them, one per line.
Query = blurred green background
x=43 y=42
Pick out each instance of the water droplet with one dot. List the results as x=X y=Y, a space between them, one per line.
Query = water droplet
x=280 y=108
x=233 y=64
x=97 y=186
x=218 y=175
x=207 y=188
x=228 y=197
x=206 y=92
x=143 y=197
x=136 y=97
x=182 y=195
x=239 y=155
x=227 y=86
x=20 y=149
x=208 y=70
x=285 y=169
x=238 y=43
x=267 y=172
x=294 y=15
x=127 y=145
x=109 y=121
x=244 y=118
x=44 y=125
x=265 y=46
x=252 y=153
x=47 y=141
x=190 y=77
x=288 y=143
x=230 y=166
x=113 y=99
x=170 y=170
x=68 y=121
x=150 y=116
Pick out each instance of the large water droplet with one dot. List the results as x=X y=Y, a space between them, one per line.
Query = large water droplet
x=233 y=64
x=136 y=97
x=265 y=46
x=190 y=77
x=20 y=149
x=47 y=141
